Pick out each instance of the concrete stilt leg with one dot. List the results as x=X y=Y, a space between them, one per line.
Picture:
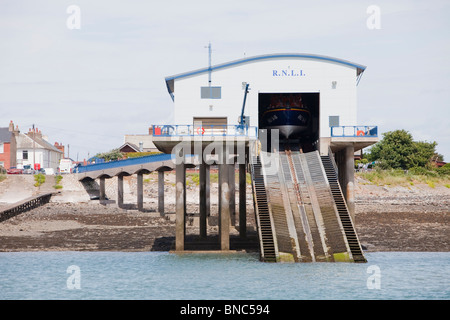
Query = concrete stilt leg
x=232 y=186
x=207 y=191
x=180 y=206
x=161 y=193
x=102 y=189
x=203 y=198
x=224 y=215
x=242 y=202
x=120 y=191
x=350 y=179
x=140 y=191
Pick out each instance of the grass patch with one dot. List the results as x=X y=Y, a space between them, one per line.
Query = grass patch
x=58 y=179
x=39 y=179
x=431 y=184
x=405 y=178
x=2 y=177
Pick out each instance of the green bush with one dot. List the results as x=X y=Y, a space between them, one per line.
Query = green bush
x=444 y=170
x=58 y=179
x=40 y=179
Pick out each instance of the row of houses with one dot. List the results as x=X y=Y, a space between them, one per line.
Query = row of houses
x=19 y=150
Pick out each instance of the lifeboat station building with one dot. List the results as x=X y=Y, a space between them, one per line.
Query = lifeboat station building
x=311 y=100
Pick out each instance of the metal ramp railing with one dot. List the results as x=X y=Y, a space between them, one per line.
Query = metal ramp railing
x=300 y=212
x=263 y=217
x=350 y=233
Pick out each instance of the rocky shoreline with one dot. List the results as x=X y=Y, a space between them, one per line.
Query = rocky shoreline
x=387 y=219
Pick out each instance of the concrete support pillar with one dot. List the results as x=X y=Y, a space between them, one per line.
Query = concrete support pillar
x=120 y=191
x=242 y=202
x=350 y=179
x=203 y=199
x=232 y=186
x=207 y=191
x=180 y=195
x=102 y=189
x=140 y=191
x=346 y=167
x=224 y=205
x=161 y=193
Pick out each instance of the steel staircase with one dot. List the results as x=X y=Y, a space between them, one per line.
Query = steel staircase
x=350 y=233
x=262 y=213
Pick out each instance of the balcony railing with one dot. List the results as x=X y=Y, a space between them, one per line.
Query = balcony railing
x=207 y=130
x=354 y=131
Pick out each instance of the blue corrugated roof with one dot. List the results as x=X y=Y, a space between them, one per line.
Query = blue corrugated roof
x=359 y=68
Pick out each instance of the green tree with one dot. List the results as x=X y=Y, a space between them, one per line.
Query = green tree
x=424 y=151
x=397 y=150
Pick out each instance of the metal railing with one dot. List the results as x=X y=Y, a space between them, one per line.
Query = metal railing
x=354 y=131
x=207 y=130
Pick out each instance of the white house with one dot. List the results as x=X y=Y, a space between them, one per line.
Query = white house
x=33 y=148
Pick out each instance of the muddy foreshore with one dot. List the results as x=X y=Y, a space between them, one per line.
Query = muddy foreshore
x=387 y=219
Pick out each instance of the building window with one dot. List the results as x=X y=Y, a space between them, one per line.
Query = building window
x=211 y=92
x=2 y=148
x=25 y=154
x=334 y=121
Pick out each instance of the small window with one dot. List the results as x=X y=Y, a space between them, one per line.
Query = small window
x=211 y=92
x=25 y=154
x=334 y=121
x=1 y=148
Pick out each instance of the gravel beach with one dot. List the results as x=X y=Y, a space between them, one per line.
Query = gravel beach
x=387 y=219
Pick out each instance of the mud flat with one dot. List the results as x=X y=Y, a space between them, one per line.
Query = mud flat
x=387 y=219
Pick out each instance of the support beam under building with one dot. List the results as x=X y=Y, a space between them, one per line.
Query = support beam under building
x=204 y=172
x=242 y=202
x=350 y=179
x=232 y=186
x=180 y=201
x=345 y=162
x=224 y=200
x=161 y=193
x=208 y=192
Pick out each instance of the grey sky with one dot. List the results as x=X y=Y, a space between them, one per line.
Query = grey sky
x=89 y=87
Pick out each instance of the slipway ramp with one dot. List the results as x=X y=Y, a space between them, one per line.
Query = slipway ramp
x=300 y=211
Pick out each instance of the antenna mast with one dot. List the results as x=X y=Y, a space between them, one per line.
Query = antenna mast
x=209 y=63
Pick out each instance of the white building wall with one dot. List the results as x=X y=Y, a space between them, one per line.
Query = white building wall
x=266 y=76
x=46 y=158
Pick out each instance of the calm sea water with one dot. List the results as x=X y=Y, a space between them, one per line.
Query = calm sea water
x=160 y=275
